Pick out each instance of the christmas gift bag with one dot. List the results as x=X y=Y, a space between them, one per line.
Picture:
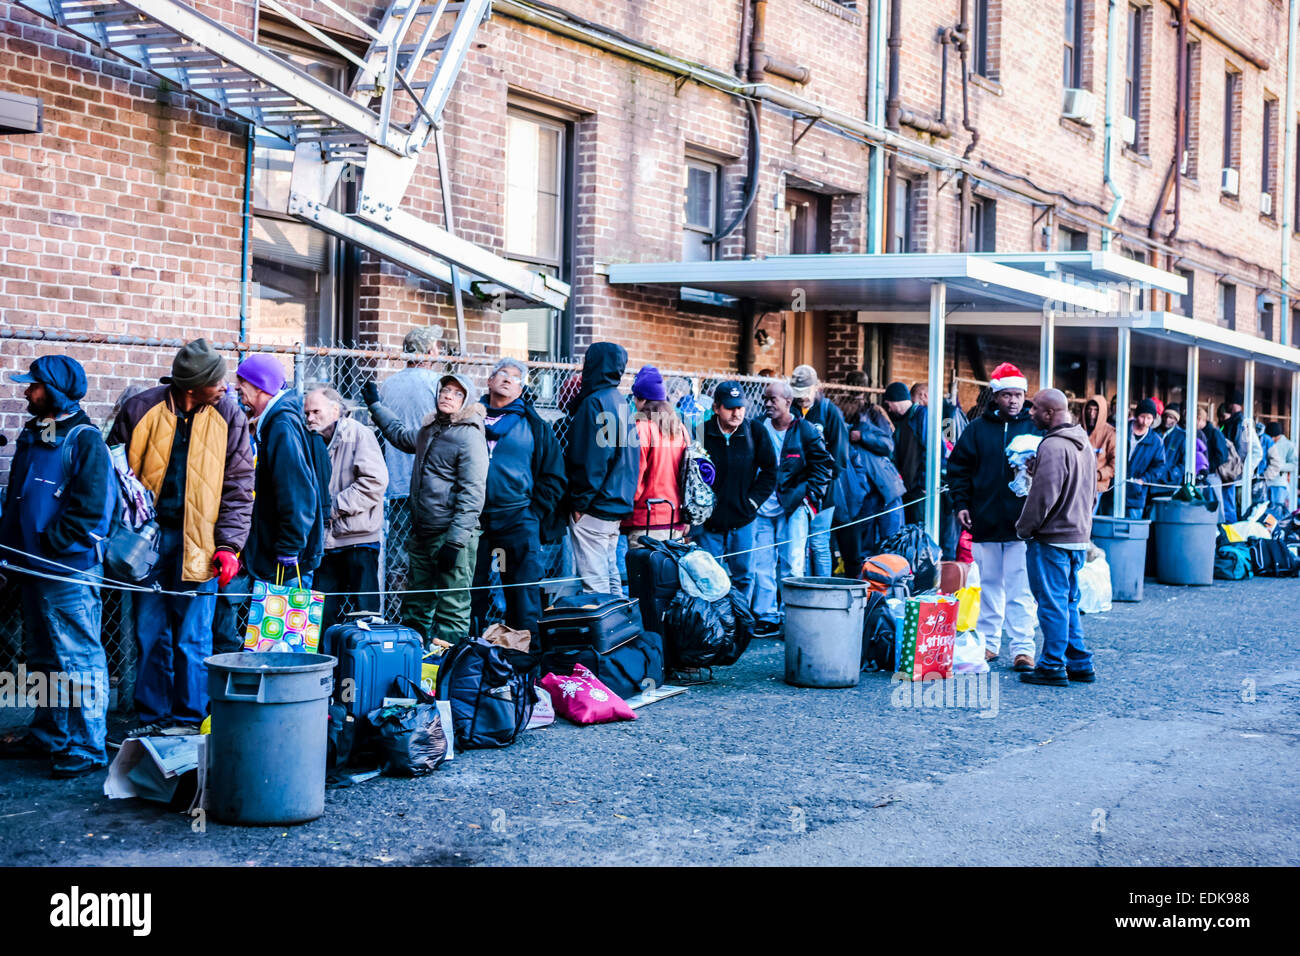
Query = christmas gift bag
x=929 y=633
x=284 y=617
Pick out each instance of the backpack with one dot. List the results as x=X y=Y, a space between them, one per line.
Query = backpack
x=879 y=634
x=698 y=498
x=491 y=698
x=1233 y=466
x=1270 y=557
x=888 y=574
x=919 y=550
x=1232 y=562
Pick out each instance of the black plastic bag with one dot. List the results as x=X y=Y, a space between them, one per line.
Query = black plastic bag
x=921 y=553
x=410 y=740
x=699 y=633
x=743 y=632
x=879 y=633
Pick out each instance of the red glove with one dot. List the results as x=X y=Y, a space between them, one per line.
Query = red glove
x=226 y=565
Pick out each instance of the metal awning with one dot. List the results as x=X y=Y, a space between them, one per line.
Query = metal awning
x=879 y=282
x=1096 y=267
x=1214 y=338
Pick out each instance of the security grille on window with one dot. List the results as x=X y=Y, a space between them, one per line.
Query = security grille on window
x=537 y=149
x=701 y=211
x=1267 y=176
x=297 y=269
x=1191 y=97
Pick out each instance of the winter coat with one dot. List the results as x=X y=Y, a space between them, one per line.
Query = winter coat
x=1174 y=441
x=745 y=473
x=909 y=457
x=411 y=395
x=602 y=456
x=545 y=472
x=1146 y=463
x=1058 y=509
x=358 y=480
x=69 y=535
x=804 y=467
x=1216 y=447
x=290 y=491
x=1241 y=432
x=1102 y=439
x=877 y=447
x=659 y=477
x=449 y=474
x=829 y=420
x=1281 y=462
x=979 y=477
x=218 y=470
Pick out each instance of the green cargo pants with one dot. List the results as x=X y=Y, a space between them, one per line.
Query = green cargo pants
x=446 y=614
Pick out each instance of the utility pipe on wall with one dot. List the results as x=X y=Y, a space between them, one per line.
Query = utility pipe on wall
x=876 y=117
x=893 y=106
x=1112 y=41
x=1288 y=177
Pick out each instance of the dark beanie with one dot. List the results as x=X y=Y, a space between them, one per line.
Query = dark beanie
x=195 y=365
x=1147 y=407
x=1238 y=397
x=898 y=392
x=1273 y=429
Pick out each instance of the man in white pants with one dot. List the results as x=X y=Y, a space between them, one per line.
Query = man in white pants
x=979 y=480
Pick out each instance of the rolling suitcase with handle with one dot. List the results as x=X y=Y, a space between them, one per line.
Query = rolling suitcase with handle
x=602 y=622
x=372 y=654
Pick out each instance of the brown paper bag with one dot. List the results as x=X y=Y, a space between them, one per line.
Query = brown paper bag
x=507 y=637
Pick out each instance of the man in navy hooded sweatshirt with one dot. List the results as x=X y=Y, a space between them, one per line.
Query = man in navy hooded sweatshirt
x=602 y=459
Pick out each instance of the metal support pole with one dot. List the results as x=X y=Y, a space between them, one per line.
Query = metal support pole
x=1190 y=399
x=1247 y=421
x=449 y=222
x=1047 y=349
x=1121 y=423
x=1295 y=428
x=934 y=420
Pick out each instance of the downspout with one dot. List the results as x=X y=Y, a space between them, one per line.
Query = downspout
x=1108 y=162
x=245 y=226
x=1288 y=187
x=876 y=116
x=893 y=106
x=964 y=200
x=1180 y=120
x=757 y=41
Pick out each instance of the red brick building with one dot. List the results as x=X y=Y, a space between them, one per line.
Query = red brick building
x=615 y=132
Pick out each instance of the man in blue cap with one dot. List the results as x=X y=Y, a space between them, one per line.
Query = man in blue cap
x=744 y=462
x=57 y=511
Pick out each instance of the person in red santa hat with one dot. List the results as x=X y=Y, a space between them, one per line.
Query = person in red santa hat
x=979 y=480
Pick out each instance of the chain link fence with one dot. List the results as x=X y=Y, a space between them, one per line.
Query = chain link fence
x=120 y=365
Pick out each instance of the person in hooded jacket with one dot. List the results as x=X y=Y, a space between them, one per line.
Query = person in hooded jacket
x=872 y=441
x=1146 y=462
x=822 y=413
x=448 y=484
x=663 y=440
x=1101 y=436
x=291 y=479
x=1057 y=521
x=979 y=479
x=59 y=534
x=603 y=462
x=525 y=482
x=909 y=454
x=1174 y=438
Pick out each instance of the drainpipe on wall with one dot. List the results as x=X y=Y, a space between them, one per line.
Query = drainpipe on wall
x=876 y=117
x=1112 y=40
x=249 y=140
x=757 y=41
x=893 y=106
x=1288 y=180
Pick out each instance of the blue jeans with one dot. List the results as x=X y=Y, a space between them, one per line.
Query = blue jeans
x=784 y=543
x=175 y=637
x=1278 y=495
x=875 y=531
x=62 y=623
x=1230 y=503
x=821 y=562
x=1054 y=579
x=739 y=566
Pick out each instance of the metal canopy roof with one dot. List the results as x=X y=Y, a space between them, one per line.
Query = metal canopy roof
x=1215 y=338
x=881 y=282
x=1096 y=267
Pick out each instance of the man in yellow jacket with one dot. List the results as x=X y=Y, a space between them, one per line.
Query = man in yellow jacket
x=187 y=441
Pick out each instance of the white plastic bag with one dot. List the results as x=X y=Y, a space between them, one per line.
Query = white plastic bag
x=1094 y=586
x=968 y=654
x=702 y=576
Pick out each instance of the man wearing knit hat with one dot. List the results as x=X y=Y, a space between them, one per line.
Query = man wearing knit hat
x=1173 y=436
x=821 y=412
x=1146 y=462
x=909 y=455
x=979 y=479
x=187 y=441
x=291 y=486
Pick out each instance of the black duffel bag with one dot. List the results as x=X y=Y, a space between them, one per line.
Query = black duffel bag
x=491 y=693
x=920 y=551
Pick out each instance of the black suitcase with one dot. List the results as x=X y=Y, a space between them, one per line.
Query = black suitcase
x=1271 y=558
x=372 y=654
x=599 y=621
x=627 y=670
x=652 y=580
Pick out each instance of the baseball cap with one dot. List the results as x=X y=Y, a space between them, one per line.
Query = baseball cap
x=803 y=381
x=729 y=395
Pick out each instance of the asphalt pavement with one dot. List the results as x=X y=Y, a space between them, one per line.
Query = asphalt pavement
x=1184 y=752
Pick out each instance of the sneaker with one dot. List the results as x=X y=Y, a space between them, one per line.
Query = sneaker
x=180 y=730
x=67 y=767
x=148 y=730
x=767 y=628
x=1083 y=677
x=1046 y=678
x=1023 y=663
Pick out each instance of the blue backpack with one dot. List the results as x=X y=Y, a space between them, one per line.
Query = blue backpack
x=491 y=697
x=40 y=501
x=1232 y=562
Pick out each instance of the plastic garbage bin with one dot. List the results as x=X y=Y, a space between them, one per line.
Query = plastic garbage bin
x=1125 y=542
x=266 y=756
x=823 y=630
x=1186 y=532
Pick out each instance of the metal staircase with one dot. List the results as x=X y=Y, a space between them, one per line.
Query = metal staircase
x=394 y=107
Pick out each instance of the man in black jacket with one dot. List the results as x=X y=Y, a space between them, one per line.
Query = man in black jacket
x=744 y=464
x=829 y=421
x=525 y=482
x=803 y=480
x=291 y=481
x=603 y=461
x=909 y=455
x=979 y=481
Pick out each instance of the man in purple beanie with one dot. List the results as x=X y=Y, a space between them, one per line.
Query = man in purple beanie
x=291 y=483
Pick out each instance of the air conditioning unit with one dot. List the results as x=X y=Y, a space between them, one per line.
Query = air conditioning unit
x=1128 y=129
x=1266 y=204
x=1229 y=181
x=1079 y=105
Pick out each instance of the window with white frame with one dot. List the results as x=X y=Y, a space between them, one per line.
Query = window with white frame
x=700 y=210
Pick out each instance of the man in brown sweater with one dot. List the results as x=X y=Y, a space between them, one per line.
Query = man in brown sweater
x=1057 y=520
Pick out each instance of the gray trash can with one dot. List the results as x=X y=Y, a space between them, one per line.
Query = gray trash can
x=1186 y=533
x=823 y=631
x=266 y=755
x=1125 y=542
